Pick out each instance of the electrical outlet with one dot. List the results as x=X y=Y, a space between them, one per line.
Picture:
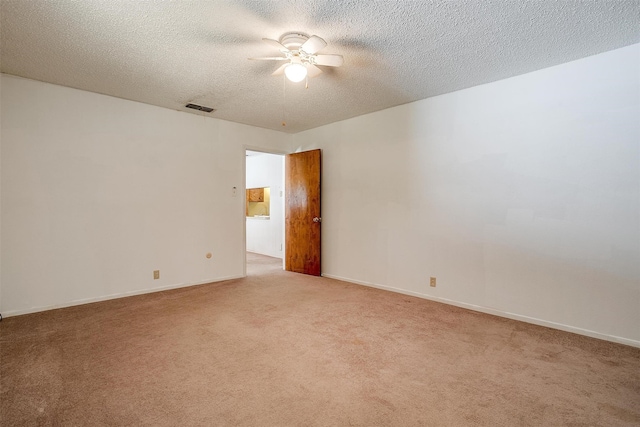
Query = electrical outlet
x=156 y=274
x=432 y=282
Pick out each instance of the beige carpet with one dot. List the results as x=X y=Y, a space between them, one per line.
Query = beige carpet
x=283 y=349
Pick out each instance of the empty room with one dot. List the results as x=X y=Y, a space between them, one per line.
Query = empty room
x=450 y=236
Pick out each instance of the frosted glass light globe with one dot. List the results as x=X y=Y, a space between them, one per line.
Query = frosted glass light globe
x=295 y=72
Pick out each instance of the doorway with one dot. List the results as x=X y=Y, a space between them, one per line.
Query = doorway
x=264 y=205
x=282 y=208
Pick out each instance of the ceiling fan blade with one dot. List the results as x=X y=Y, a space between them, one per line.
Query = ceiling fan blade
x=313 y=44
x=280 y=70
x=312 y=70
x=270 y=58
x=330 y=60
x=276 y=44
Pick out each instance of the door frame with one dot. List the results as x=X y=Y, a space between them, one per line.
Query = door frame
x=244 y=201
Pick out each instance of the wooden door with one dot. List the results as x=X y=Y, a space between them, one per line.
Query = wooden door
x=302 y=212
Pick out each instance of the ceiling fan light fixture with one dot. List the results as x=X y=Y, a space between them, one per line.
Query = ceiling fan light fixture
x=300 y=51
x=296 y=72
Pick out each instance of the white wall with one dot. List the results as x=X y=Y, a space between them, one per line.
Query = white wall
x=520 y=196
x=97 y=192
x=267 y=236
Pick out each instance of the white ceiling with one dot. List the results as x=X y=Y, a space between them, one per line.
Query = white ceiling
x=173 y=53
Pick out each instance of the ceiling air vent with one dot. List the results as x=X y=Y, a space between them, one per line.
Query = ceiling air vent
x=200 y=108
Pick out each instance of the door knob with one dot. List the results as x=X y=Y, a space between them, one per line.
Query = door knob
x=316 y=219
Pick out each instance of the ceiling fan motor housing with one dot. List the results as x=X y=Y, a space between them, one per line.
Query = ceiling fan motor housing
x=294 y=40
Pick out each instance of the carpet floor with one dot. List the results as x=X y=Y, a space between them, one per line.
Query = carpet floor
x=284 y=349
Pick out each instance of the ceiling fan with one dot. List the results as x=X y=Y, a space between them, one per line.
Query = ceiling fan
x=300 y=53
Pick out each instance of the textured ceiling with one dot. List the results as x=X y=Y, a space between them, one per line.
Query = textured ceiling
x=170 y=53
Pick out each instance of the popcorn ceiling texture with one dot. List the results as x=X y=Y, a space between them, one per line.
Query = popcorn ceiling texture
x=172 y=53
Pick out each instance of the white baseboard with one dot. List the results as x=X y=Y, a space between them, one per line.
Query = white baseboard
x=495 y=312
x=115 y=296
x=508 y=315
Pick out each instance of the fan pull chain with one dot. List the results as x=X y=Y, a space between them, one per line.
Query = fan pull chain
x=284 y=99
